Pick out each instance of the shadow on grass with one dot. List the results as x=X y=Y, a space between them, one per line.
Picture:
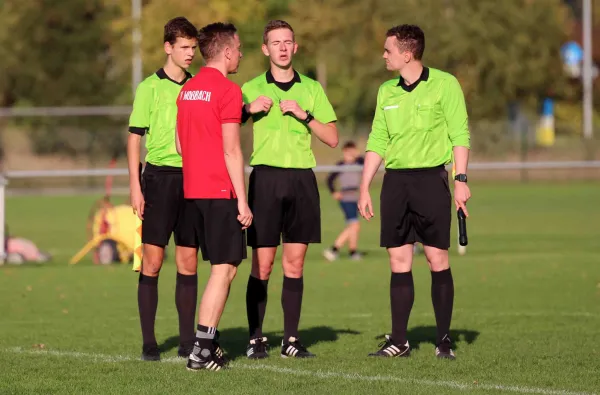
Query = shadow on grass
x=427 y=334
x=235 y=340
x=169 y=344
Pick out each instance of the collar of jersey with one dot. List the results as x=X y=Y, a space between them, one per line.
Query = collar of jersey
x=284 y=86
x=409 y=88
x=163 y=76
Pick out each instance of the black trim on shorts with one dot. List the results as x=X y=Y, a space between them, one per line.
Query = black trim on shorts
x=286 y=207
x=416 y=207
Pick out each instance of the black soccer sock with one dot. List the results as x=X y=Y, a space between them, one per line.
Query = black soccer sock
x=352 y=252
x=402 y=297
x=291 y=302
x=204 y=339
x=186 y=297
x=334 y=248
x=442 y=296
x=256 y=305
x=147 y=305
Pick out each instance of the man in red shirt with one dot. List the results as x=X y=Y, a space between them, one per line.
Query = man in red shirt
x=208 y=139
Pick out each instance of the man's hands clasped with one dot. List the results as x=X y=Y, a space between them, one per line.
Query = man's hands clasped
x=245 y=216
x=264 y=104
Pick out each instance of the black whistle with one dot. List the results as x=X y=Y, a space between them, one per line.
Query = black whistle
x=462 y=228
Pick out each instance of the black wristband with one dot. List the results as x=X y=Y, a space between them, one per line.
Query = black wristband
x=245 y=114
x=309 y=117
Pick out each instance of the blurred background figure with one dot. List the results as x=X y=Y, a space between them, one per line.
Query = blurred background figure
x=347 y=195
x=20 y=250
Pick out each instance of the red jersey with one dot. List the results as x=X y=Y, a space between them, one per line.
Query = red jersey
x=205 y=102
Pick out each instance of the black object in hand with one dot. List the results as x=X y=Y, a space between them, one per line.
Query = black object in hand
x=462 y=228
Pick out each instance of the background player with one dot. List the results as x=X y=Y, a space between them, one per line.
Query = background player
x=287 y=109
x=347 y=195
x=420 y=124
x=158 y=200
x=208 y=137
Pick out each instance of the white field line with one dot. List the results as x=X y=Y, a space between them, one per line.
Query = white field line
x=319 y=374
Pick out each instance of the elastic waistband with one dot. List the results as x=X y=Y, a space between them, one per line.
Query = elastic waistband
x=162 y=169
x=416 y=170
x=281 y=169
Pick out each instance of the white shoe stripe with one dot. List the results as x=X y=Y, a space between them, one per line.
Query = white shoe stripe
x=294 y=352
x=194 y=358
x=395 y=349
x=388 y=352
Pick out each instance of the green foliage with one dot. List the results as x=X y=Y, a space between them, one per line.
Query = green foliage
x=78 y=52
x=58 y=54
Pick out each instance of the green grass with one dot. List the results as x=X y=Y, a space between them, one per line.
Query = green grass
x=527 y=309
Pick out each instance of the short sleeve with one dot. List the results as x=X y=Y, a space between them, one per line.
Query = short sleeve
x=323 y=110
x=139 y=120
x=245 y=96
x=379 y=137
x=455 y=111
x=231 y=105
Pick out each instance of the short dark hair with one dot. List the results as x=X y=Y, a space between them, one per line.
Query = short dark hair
x=212 y=38
x=179 y=27
x=274 y=25
x=410 y=38
x=349 y=144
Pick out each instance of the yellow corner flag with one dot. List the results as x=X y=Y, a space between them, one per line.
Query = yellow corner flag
x=137 y=245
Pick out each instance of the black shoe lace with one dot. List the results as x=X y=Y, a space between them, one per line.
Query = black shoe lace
x=384 y=344
x=217 y=359
x=260 y=345
x=299 y=346
x=445 y=345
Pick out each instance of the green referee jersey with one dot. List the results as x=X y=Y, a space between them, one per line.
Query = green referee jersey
x=281 y=140
x=155 y=115
x=416 y=126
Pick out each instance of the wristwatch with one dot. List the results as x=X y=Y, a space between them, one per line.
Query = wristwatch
x=309 y=117
x=461 y=177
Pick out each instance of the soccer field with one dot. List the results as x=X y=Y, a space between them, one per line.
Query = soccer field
x=526 y=319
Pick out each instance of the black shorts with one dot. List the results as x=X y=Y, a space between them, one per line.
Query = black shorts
x=416 y=207
x=285 y=204
x=219 y=233
x=165 y=210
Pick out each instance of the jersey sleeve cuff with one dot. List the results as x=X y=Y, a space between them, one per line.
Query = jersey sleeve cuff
x=328 y=121
x=137 y=130
x=378 y=150
x=245 y=114
x=462 y=142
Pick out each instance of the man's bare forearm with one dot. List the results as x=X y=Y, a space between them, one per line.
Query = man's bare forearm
x=234 y=160
x=461 y=159
x=327 y=133
x=133 y=159
x=372 y=163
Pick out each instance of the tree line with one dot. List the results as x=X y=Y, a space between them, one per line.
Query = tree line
x=78 y=52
